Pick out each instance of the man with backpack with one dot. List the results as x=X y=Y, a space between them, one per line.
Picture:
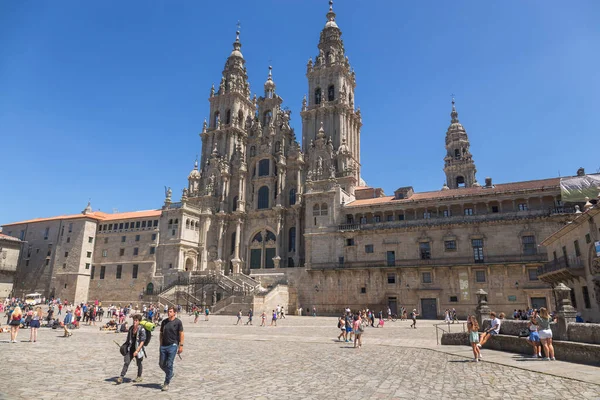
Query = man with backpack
x=133 y=348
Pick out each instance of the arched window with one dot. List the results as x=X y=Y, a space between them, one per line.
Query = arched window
x=187 y=224
x=150 y=289
x=216 y=118
x=263 y=167
x=267 y=115
x=460 y=181
x=316 y=210
x=234 y=204
x=176 y=221
x=241 y=119
x=270 y=237
x=292 y=197
x=318 y=96
x=257 y=238
x=323 y=209
x=263 y=197
x=170 y=222
x=228 y=117
x=252 y=151
x=331 y=93
x=457 y=153
x=292 y=239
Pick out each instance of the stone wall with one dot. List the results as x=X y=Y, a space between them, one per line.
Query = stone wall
x=279 y=295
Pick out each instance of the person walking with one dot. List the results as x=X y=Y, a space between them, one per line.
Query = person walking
x=35 y=324
x=473 y=329
x=171 y=343
x=206 y=313
x=342 y=326
x=250 y=315
x=15 y=323
x=263 y=319
x=136 y=337
x=358 y=331
x=239 y=317
x=413 y=316
x=545 y=333
x=274 y=318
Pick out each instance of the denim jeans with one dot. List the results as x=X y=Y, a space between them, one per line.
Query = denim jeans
x=167 y=356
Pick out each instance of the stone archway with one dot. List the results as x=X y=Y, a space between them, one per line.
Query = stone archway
x=189 y=264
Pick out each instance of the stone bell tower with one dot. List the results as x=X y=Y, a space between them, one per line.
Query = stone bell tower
x=458 y=164
x=330 y=124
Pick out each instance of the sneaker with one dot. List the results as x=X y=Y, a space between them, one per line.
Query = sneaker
x=138 y=379
x=547 y=358
x=475 y=360
x=478 y=345
x=164 y=387
x=539 y=356
x=119 y=380
x=553 y=359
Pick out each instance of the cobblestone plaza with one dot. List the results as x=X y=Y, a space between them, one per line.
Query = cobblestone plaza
x=298 y=359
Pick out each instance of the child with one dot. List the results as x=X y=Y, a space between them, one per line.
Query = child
x=473 y=329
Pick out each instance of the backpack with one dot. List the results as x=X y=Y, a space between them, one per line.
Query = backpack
x=339 y=324
x=149 y=327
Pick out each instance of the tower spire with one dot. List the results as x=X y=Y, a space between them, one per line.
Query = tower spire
x=458 y=164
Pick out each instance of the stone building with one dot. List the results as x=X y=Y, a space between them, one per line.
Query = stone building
x=259 y=207
x=10 y=248
x=574 y=259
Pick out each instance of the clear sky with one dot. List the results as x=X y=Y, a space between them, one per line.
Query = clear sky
x=105 y=99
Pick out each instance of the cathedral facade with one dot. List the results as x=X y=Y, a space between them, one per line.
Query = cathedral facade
x=261 y=207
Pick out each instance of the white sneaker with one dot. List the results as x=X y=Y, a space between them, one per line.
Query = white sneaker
x=478 y=345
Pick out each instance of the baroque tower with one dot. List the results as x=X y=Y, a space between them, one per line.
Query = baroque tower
x=458 y=164
x=330 y=124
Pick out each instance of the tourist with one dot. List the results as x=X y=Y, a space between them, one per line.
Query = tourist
x=263 y=318
x=413 y=316
x=545 y=333
x=493 y=330
x=447 y=316
x=274 y=318
x=358 y=331
x=473 y=329
x=35 y=324
x=136 y=337
x=342 y=325
x=389 y=314
x=314 y=312
x=278 y=308
x=15 y=323
x=282 y=313
x=239 y=317
x=206 y=313
x=454 y=316
x=171 y=343
x=348 y=324
x=68 y=319
x=250 y=315
x=534 y=338
x=196 y=315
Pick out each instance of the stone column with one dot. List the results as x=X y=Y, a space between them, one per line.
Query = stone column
x=298 y=236
x=236 y=258
x=277 y=258
x=565 y=312
x=219 y=260
x=482 y=311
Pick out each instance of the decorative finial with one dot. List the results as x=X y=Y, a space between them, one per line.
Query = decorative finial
x=204 y=126
x=237 y=32
x=270 y=71
x=196 y=162
x=330 y=5
x=454 y=113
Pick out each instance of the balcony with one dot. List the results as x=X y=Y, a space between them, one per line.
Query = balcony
x=561 y=270
x=433 y=262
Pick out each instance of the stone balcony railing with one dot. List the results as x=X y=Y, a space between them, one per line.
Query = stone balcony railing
x=446 y=261
x=562 y=269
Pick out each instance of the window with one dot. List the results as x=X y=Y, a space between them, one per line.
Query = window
x=104 y=253
x=468 y=211
x=152 y=249
x=68 y=239
x=102 y=271
x=263 y=167
x=391 y=279
x=123 y=239
x=110 y=226
x=450 y=245
x=292 y=197
x=90 y=239
x=577 y=250
x=480 y=276
x=447 y=213
x=586 y=297
x=495 y=209
x=70 y=227
x=119 y=271
x=216 y=118
x=46 y=233
x=588 y=239
x=134 y=272
x=228 y=117
x=377 y=218
x=460 y=182
x=573 y=297
x=522 y=206
x=350 y=242
x=66 y=254
x=153 y=236
x=135 y=251
x=126 y=225
x=426 y=277
x=318 y=96
x=401 y=217
x=121 y=225
x=363 y=220
x=389 y=218
x=155 y=224
x=425 y=250
x=368 y=248
x=477 y=250
x=292 y=239
x=363 y=290
x=323 y=209
x=137 y=224
x=121 y=252
x=137 y=238
x=105 y=240
x=93 y=272
x=89 y=254
x=143 y=224
x=263 y=197
x=532 y=273
x=64 y=265
x=529 y=246
x=453 y=299
x=267 y=116
x=330 y=93
x=87 y=265
x=426 y=215
x=390 y=258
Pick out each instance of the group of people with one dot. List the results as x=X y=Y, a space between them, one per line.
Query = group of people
x=540 y=333
x=352 y=325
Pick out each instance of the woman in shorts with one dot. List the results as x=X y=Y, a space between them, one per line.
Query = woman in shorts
x=534 y=338
x=35 y=324
x=473 y=329
x=15 y=323
x=342 y=327
x=545 y=333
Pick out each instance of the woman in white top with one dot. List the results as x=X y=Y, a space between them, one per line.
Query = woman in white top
x=534 y=339
x=545 y=333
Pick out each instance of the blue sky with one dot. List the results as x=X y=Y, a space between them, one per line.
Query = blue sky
x=105 y=100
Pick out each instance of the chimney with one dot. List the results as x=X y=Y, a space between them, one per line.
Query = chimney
x=488 y=182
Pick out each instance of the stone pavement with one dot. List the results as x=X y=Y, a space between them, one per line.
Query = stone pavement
x=298 y=359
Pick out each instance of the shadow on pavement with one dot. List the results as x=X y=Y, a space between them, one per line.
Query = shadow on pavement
x=148 y=385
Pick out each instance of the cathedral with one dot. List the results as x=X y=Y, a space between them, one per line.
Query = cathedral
x=263 y=215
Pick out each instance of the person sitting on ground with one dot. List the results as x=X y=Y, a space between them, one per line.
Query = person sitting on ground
x=493 y=330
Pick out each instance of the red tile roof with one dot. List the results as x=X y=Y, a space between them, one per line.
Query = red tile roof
x=541 y=184
x=96 y=215
x=6 y=237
